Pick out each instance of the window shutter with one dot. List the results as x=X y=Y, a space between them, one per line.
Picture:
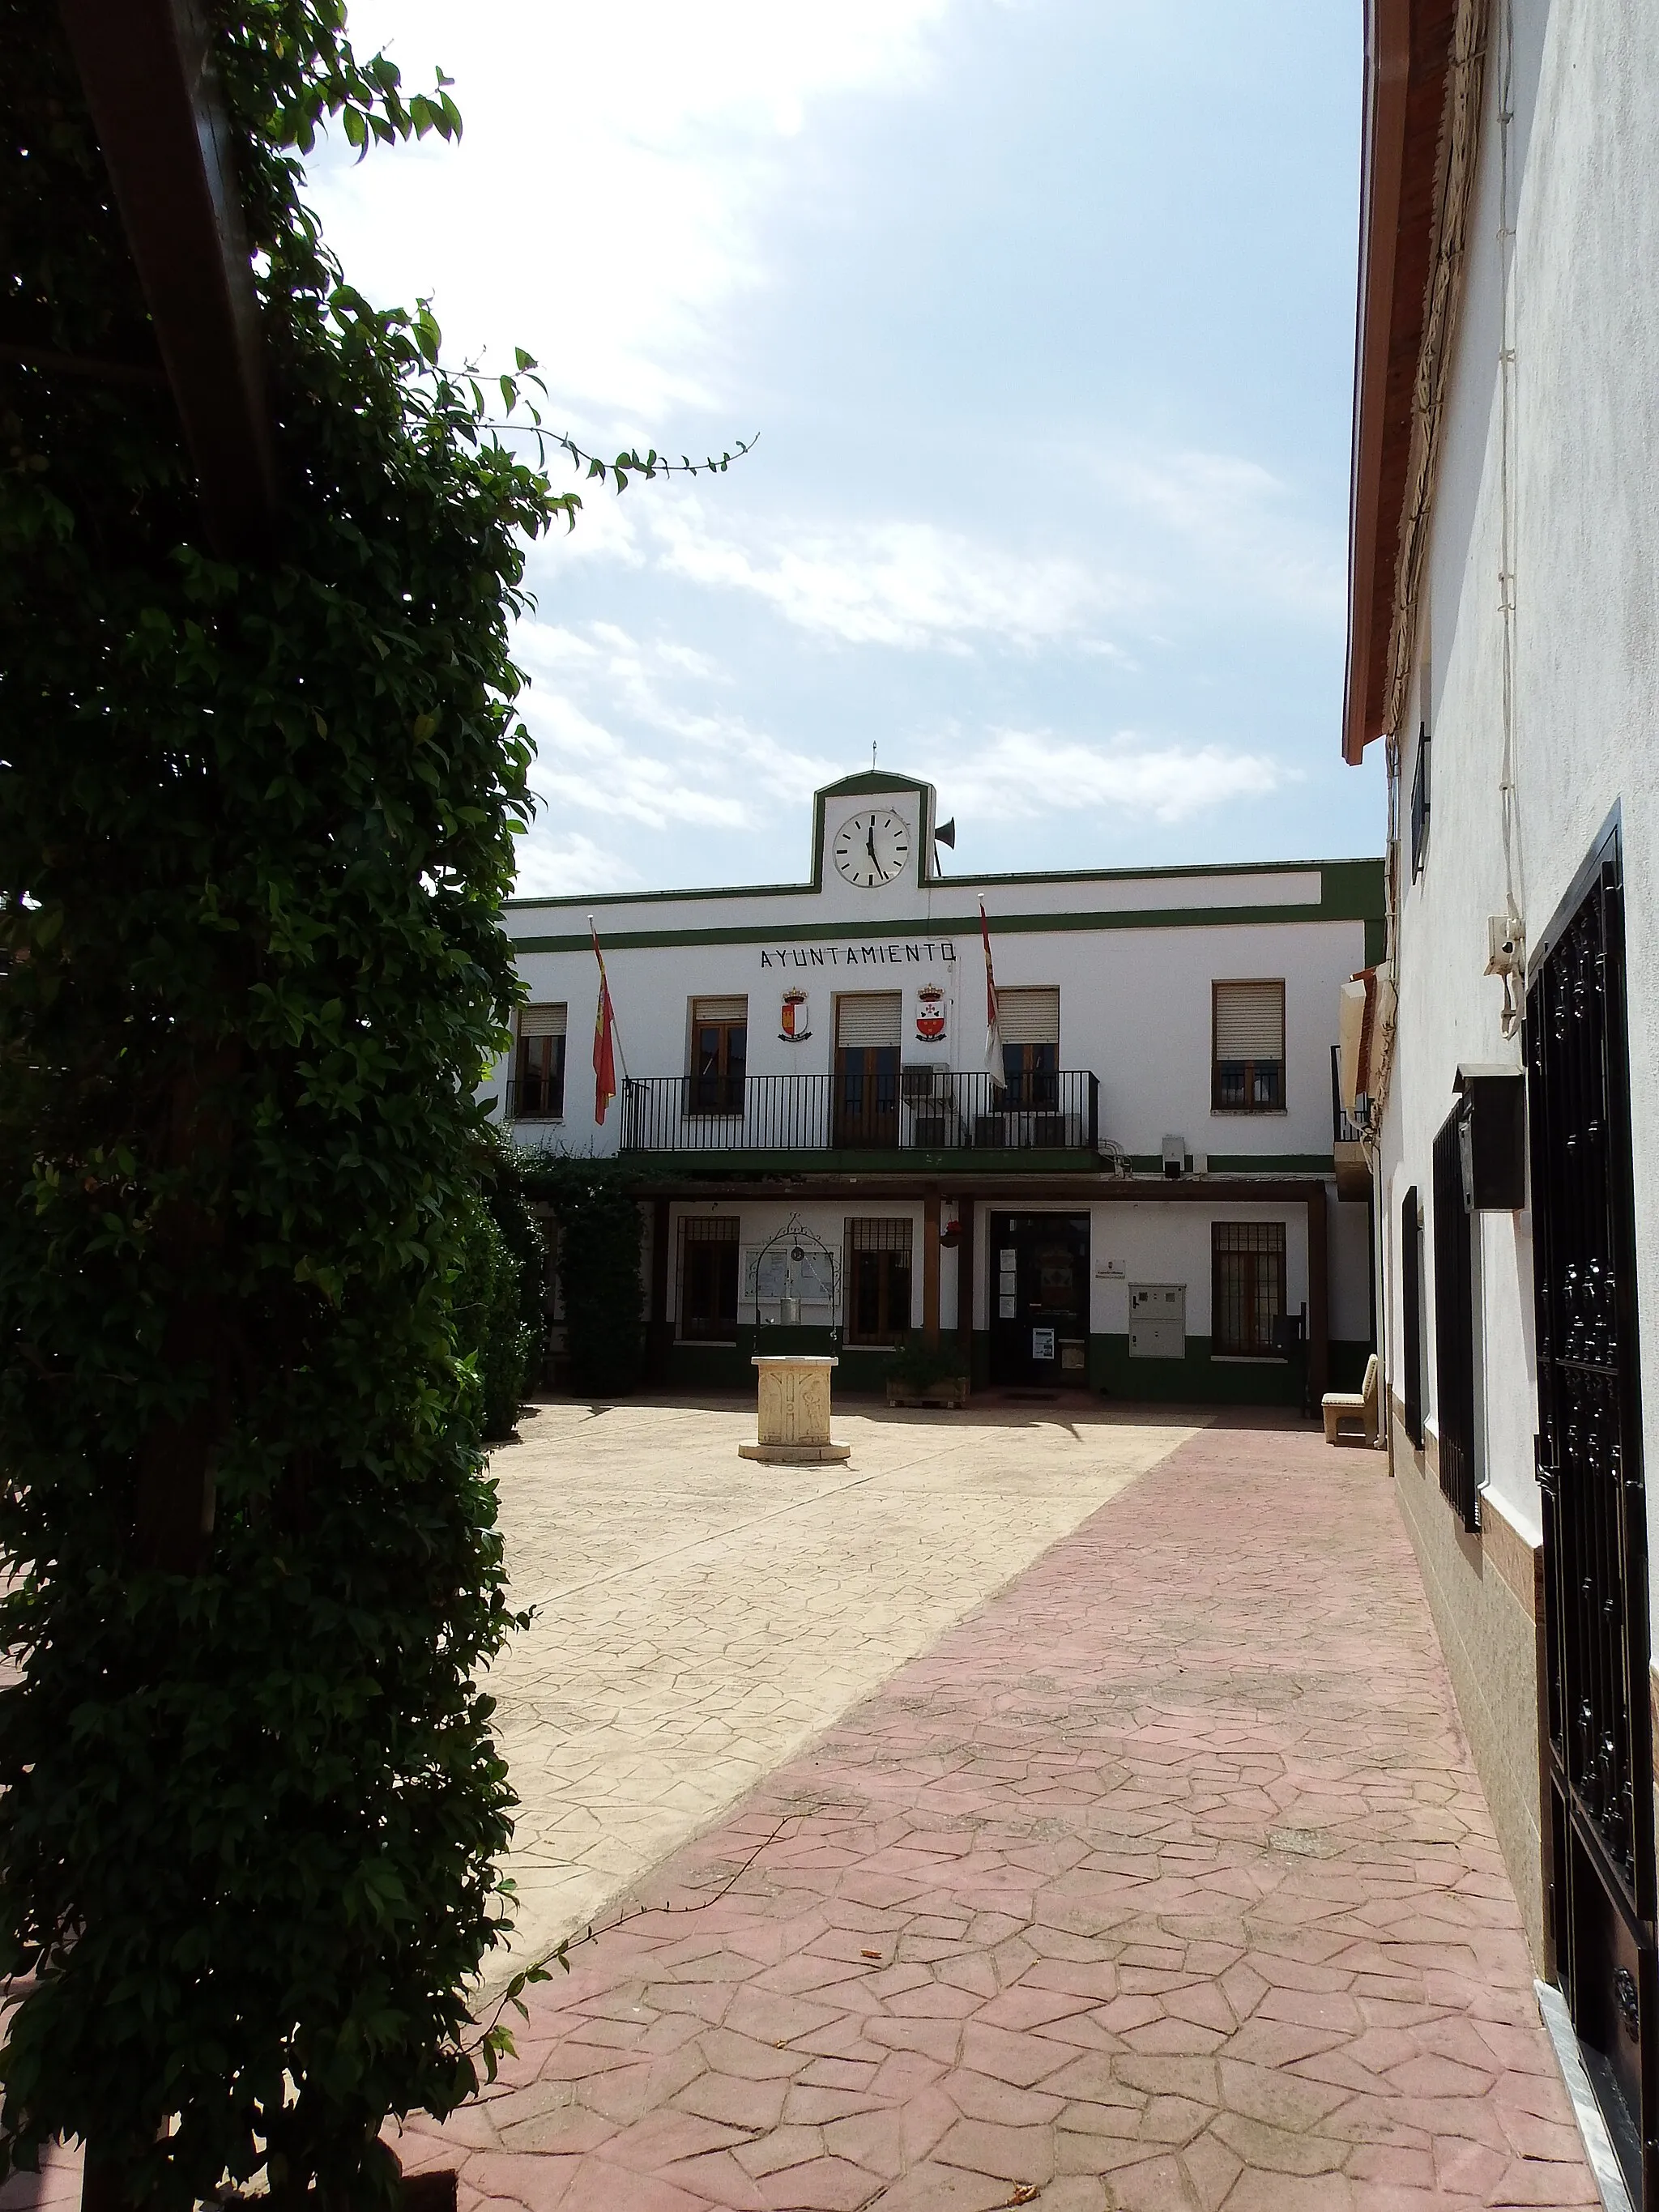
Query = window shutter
x=720 y=1009
x=1249 y=1021
x=1028 y=1017
x=541 y=1021
x=868 y=1017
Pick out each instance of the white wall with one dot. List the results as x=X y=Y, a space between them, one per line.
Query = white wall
x=1585 y=514
x=1135 y=1007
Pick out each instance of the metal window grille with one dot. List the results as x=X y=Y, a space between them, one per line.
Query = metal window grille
x=708 y=1278
x=878 y=1281
x=1454 y=1325
x=1247 y=1073
x=1420 y=806
x=1411 y=1315
x=1246 y=1287
x=879 y=1236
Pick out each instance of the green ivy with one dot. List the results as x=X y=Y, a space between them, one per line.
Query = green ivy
x=597 y=1207
x=490 y=1323
x=256 y=827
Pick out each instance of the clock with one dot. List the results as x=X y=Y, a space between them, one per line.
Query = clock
x=873 y=848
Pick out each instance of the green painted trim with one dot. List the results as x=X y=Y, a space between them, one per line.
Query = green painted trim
x=1195 y=1380
x=1271 y=1163
x=1357 y=894
x=1031 y=1160
x=870 y=779
x=936 y=926
x=1377 y=941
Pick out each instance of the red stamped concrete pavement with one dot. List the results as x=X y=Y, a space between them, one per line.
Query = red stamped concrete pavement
x=1164 y=1881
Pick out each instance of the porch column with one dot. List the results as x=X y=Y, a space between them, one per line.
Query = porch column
x=1319 y=1304
x=965 y=1282
x=659 y=1334
x=930 y=1270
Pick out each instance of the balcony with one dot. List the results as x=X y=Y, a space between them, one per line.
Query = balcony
x=908 y=1110
x=1353 y=1172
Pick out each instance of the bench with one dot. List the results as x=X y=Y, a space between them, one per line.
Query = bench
x=1351 y=1406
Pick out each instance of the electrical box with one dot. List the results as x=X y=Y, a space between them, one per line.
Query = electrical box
x=1175 y=1157
x=1157 y=1321
x=1492 y=1138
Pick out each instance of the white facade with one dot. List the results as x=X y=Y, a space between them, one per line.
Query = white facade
x=1524 y=653
x=1135 y=957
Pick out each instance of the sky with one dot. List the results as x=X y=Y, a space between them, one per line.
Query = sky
x=1041 y=312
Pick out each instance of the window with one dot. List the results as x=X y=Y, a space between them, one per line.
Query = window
x=708 y=1278
x=868 y=1024
x=1246 y=1287
x=1454 y=1324
x=1247 y=1074
x=1420 y=807
x=878 y=1281
x=538 y=1089
x=1411 y=1315
x=719 y=1049
x=1028 y=1022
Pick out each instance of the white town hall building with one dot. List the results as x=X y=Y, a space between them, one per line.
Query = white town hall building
x=1151 y=1194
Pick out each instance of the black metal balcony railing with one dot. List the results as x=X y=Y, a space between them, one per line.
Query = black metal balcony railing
x=1345 y=1130
x=921 y=1109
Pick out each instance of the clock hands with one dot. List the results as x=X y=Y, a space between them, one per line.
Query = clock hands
x=870 y=842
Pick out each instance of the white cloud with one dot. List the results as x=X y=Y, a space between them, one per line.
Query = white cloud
x=1024 y=774
x=600 y=208
x=1235 y=526
x=895 y=583
x=556 y=867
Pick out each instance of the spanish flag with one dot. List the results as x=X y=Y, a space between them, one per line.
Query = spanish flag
x=604 y=1032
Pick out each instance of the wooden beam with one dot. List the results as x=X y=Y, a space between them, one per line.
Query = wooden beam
x=146 y=68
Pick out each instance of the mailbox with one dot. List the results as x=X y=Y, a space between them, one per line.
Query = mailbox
x=1492 y=1138
x=1157 y=1321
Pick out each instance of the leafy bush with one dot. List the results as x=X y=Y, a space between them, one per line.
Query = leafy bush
x=490 y=1323
x=918 y=1366
x=255 y=831
x=596 y=1205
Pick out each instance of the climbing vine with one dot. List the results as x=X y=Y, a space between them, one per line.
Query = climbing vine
x=256 y=826
x=595 y=1204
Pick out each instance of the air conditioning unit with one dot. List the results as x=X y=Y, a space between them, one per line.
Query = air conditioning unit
x=918 y=1083
x=1175 y=1158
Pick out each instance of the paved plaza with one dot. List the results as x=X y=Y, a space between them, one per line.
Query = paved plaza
x=1161 y=1879
x=700 y=1619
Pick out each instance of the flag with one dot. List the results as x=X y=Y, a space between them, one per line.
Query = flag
x=994 y=1066
x=604 y=1032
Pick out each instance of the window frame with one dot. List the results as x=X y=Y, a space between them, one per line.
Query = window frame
x=1251 y=1070
x=698 y=1232
x=897 y=1245
x=717 y=1094
x=550 y=1080
x=1422 y=798
x=1273 y=1248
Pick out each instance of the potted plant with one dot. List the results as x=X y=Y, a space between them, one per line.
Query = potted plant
x=923 y=1373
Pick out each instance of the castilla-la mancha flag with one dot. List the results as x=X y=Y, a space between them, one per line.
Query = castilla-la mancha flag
x=604 y=1034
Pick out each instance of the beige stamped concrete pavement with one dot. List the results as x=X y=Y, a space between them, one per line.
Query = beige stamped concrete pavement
x=699 y=1618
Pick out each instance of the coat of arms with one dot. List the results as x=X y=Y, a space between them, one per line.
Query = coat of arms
x=930 y=1013
x=795 y=1030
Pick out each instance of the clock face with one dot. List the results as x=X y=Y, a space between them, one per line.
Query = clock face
x=873 y=848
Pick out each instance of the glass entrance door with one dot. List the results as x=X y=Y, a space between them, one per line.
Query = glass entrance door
x=1040 y=1298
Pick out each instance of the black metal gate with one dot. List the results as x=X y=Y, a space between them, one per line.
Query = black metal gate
x=1599 y=1770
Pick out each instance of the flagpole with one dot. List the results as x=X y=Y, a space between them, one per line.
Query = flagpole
x=994 y=1066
